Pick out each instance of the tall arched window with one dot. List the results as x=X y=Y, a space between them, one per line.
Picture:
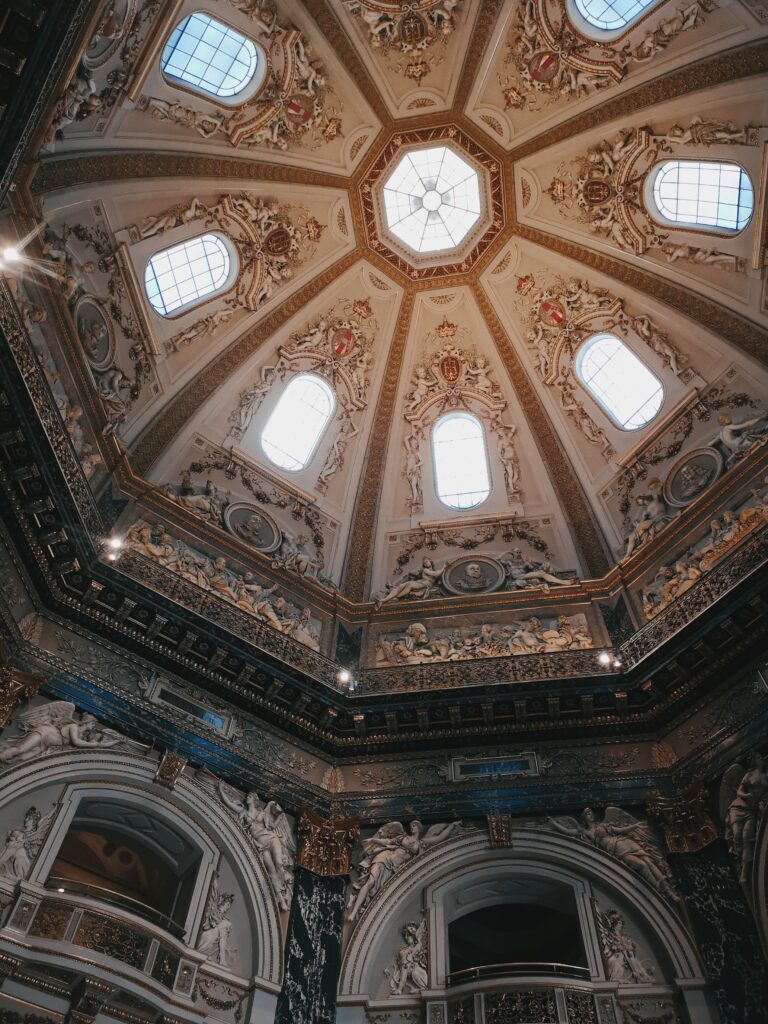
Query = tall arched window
x=703 y=193
x=187 y=273
x=611 y=15
x=213 y=59
x=292 y=432
x=461 y=462
x=617 y=380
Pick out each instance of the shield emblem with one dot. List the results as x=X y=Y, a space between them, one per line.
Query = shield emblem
x=412 y=29
x=552 y=312
x=597 y=191
x=543 y=66
x=342 y=341
x=450 y=368
x=277 y=242
x=299 y=109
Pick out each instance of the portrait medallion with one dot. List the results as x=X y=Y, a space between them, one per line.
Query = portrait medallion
x=252 y=525
x=473 y=574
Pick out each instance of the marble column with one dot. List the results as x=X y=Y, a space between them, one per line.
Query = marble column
x=313 y=943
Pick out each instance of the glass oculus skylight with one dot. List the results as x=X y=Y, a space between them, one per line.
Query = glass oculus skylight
x=432 y=199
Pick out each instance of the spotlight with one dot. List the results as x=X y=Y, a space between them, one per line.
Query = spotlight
x=604 y=658
x=11 y=254
x=115 y=543
x=59 y=890
x=617 y=662
x=344 y=676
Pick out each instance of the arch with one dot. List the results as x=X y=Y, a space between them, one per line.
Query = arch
x=208 y=57
x=292 y=433
x=189 y=273
x=460 y=459
x=621 y=384
x=130 y=777
x=444 y=867
x=713 y=194
x=604 y=18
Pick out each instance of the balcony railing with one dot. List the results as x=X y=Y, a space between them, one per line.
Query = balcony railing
x=516 y=969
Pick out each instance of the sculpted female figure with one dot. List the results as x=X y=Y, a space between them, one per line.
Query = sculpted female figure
x=268 y=828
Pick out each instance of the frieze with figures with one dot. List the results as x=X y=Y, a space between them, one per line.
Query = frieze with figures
x=549 y=60
x=606 y=187
x=418 y=645
x=292 y=107
x=215 y=577
x=454 y=377
x=727 y=531
x=407 y=36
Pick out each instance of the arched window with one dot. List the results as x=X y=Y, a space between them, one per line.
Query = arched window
x=461 y=463
x=213 y=59
x=187 y=273
x=618 y=381
x=298 y=420
x=703 y=193
x=611 y=15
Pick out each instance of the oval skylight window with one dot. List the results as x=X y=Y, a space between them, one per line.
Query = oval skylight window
x=297 y=422
x=461 y=464
x=431 y=199
x=213 y=59
x=619 y=381
x=185 y=274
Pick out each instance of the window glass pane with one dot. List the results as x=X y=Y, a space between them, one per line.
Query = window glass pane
x=706 y=193
x=209 y=56
x=186 y=273
x=619 y=382
x=610 y=15
x=461 y=465
x=432 y=199
x=297 y=421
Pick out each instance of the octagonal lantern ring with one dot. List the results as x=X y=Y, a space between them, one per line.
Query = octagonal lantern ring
x=419 y=183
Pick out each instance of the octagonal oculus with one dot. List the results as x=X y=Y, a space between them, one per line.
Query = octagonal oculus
x=431 y=199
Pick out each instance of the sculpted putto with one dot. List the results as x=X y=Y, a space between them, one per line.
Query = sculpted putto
x=270 y=832
x=388 y=850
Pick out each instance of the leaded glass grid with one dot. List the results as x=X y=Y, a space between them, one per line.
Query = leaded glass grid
x=619 y=381
x=432 y=199
x=611 y=15
x=209 y=56
x=705 y=193
x=186 y=273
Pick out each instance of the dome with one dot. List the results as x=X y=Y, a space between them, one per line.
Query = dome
x=411 y=389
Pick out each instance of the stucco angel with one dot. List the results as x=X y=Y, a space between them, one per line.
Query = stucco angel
x=623 y=837
x=214 y=936
x=408 y=972
x=51 y=727
x=743 y=800
x=22 y=844
x=387 y=851
x=620 y=952
x=269 y=830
